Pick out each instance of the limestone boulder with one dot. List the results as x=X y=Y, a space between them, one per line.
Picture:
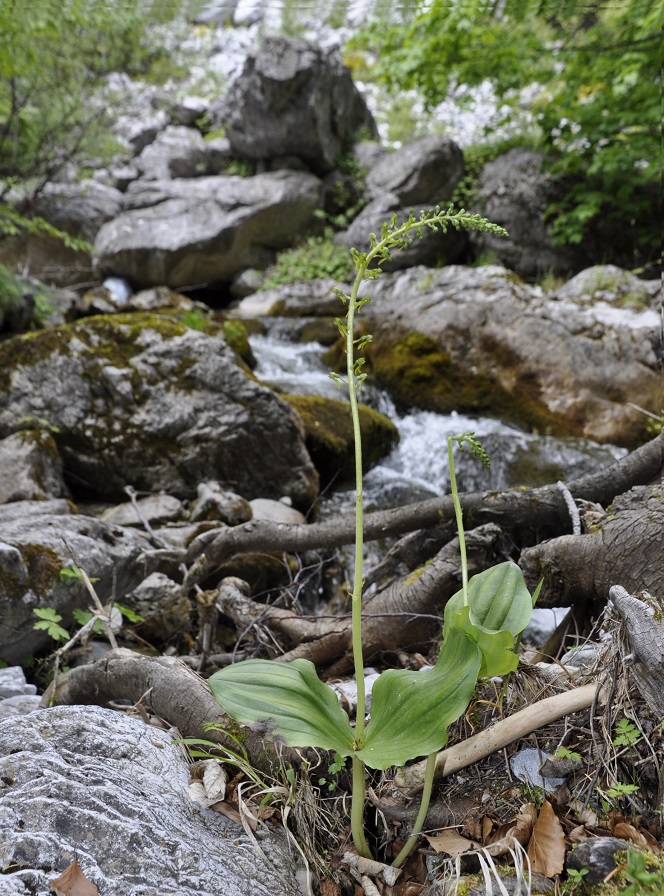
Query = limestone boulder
x=79 y=209
x=181 y=151
x=103 y=787
x=293 y=99
x=515 y=191
x=35 y=545
x=418 y=176
x=31 y=467
x=143 y=400
x=191 y=231
x=425 y=172
x=480 y=340
x=434 y=248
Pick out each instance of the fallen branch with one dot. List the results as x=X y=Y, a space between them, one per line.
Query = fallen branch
x=406 y=615
x=499 y=735
x=530 y=513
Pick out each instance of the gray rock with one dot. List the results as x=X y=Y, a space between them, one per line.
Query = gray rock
x=79 y=208
x=479 y=340
x=56 y=306
x=13 y=683
x=22 y=510
x=214 y=502
x=122 y=175
x=155 y=509
x=425 y=172
x=141 y=131
x=293 y=98
x=514 y=191
x=152 y=403
x=597 y=854
x=208 y=229
x=435 y=248
x=246 y=283
x=178 y=152
x=188 y=110
x=162 y=604
x=543 y=622
x=526 y=765
x=89 y=782
x=32 y=553
x=217 y=12
x=31 y=467
x=304 y=298
x=276 y=512
x=531 y=459
x=18 y=706
x=611 y=284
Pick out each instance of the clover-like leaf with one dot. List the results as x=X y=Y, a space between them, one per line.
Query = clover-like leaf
x=289 y=699
x=412 y=711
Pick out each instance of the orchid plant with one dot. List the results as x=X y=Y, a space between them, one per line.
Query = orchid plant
x=411 y=711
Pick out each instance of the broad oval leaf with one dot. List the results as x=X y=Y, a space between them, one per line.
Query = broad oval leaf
x=499 y=599
x=497 y=648
x=289 y=699
x=412 y=711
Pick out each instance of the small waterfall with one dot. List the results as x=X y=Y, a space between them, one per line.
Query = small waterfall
x=417 y=467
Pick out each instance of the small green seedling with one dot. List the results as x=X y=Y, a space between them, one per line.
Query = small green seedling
x=627 y=733
x=49 y=621
x=411 y=711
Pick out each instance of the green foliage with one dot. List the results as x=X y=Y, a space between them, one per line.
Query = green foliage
x=626 y=734
x=317 y=257
x=645 y=874
x=72 y=573
x=54 y=57
x=240 y=168
x=49 y=621
x=597 y=100
x=11 y=291
x=411 y=711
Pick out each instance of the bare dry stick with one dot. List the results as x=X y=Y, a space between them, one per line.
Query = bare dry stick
x=497 y=736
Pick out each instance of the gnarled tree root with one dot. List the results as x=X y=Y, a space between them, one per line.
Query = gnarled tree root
x=170 y=690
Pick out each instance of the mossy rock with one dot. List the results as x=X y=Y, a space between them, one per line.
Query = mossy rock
x=418 y=372
x=329 y=435
x=145 y=398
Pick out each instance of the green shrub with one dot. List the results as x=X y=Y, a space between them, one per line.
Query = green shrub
x=317 y=257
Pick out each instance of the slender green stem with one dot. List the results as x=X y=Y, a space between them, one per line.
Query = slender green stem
x=357 y=809
x=422 y=814
x=358 y=579
x=459 y=520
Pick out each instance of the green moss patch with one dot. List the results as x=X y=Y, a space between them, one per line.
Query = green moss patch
x=418 y=372
x=329 y=435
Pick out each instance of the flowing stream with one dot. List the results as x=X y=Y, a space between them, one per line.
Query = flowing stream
x=417 y=468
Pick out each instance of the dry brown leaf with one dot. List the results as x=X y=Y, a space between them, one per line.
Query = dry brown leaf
x=224 y=808
x=625 y=831
x=487 y=826
x=546 y=849
x=72 y=882
x=578 y=834
x=502 y=840
x=452 y=843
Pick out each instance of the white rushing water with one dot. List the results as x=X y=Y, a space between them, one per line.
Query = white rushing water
x=417 y=468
